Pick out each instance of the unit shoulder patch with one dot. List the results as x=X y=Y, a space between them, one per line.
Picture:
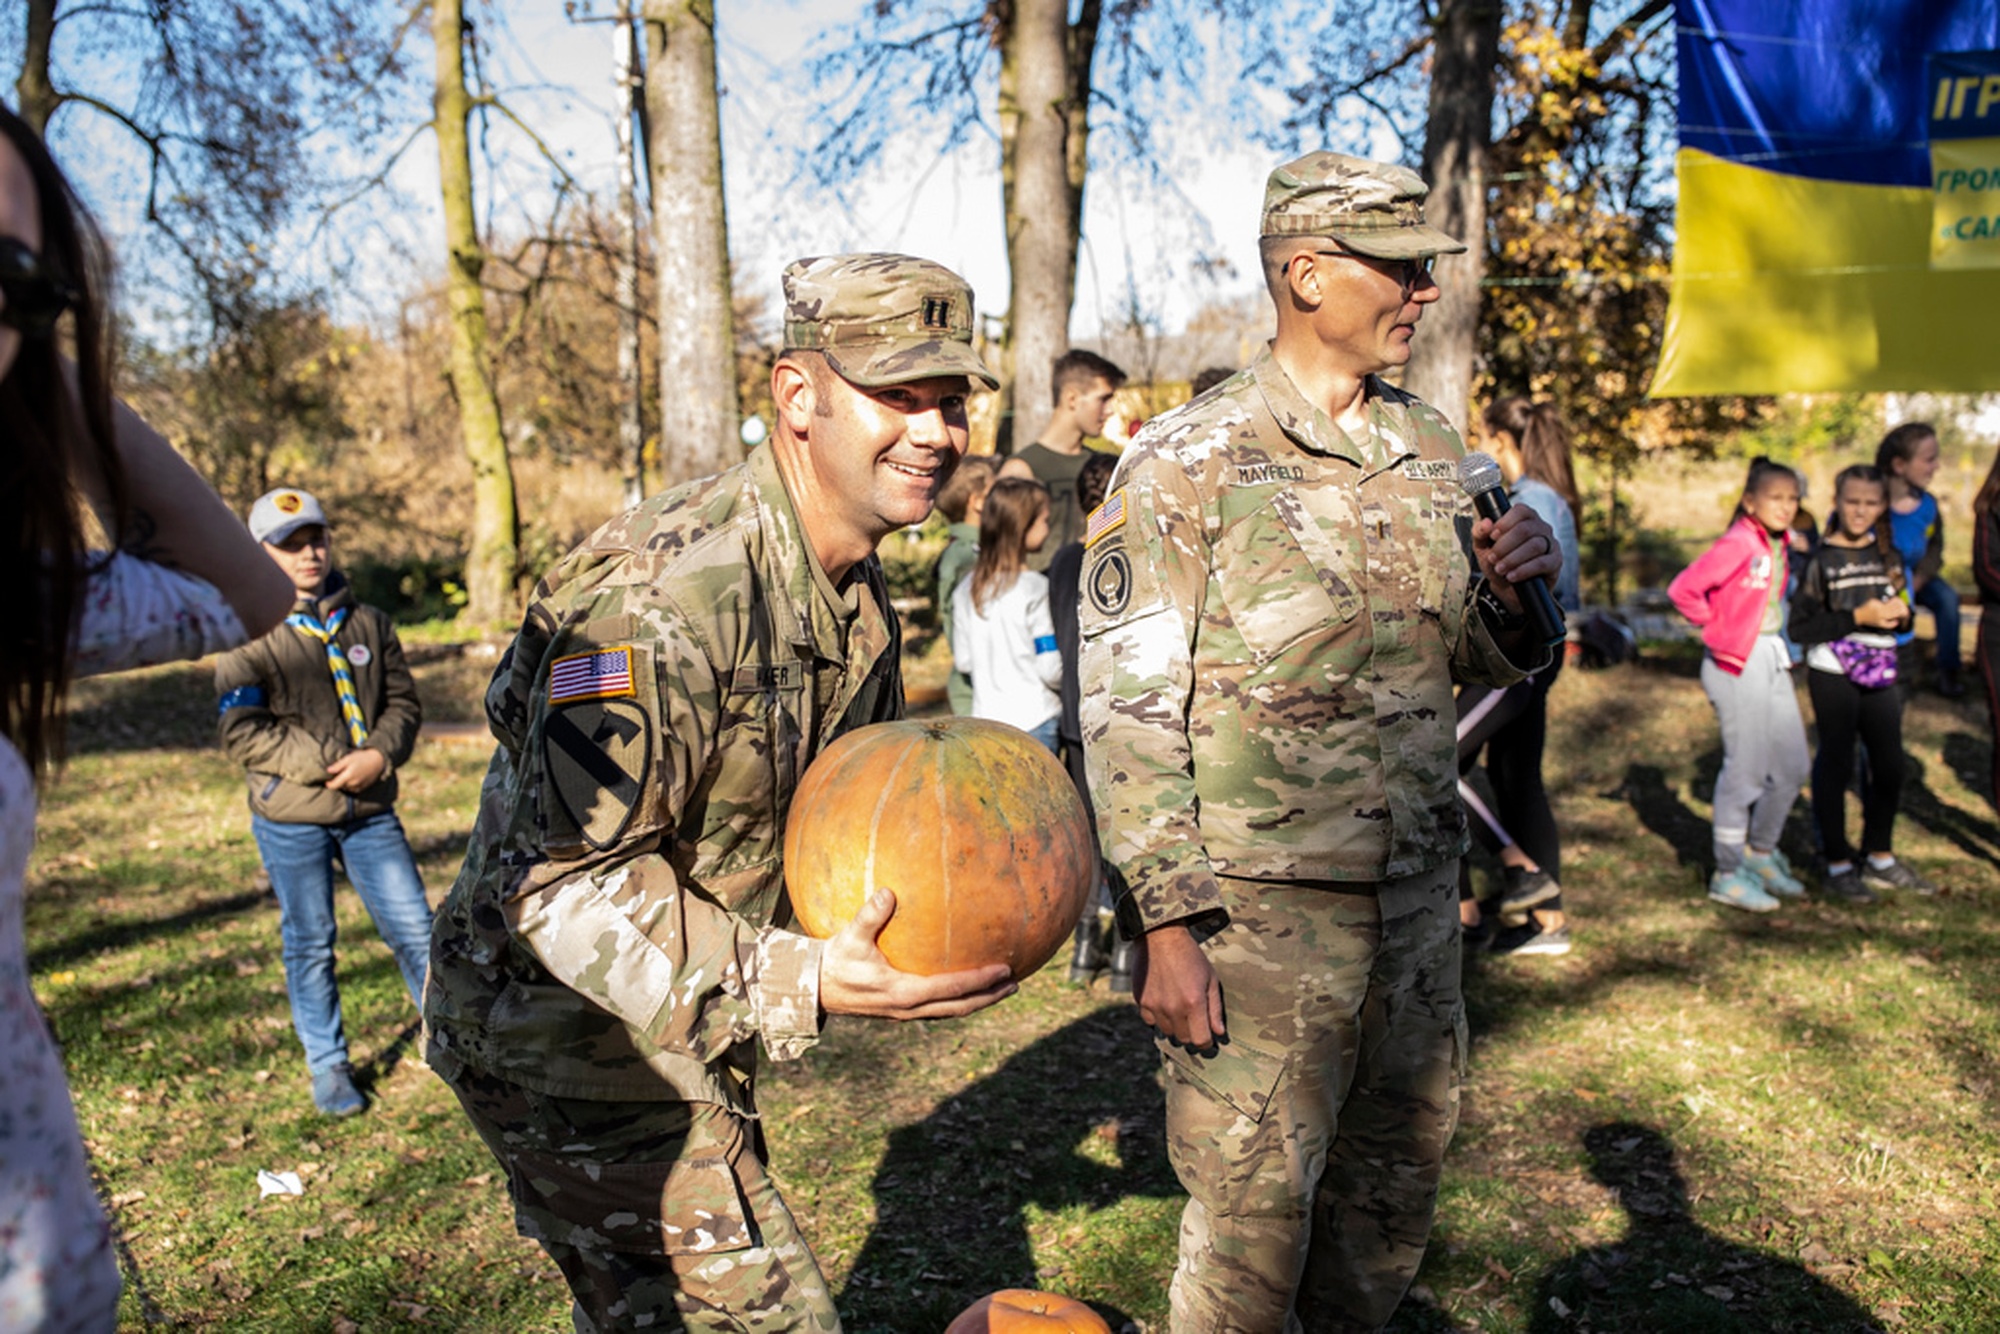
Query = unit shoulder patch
x=597 y=753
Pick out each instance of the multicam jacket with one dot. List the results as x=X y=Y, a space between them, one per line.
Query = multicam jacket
x=619 y=929
x=1273 y=616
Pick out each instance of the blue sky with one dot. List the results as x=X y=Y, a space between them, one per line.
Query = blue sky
x=556 y=74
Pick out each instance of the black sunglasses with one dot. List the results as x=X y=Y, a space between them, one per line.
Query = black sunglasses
x=36 y=294
x=1411 y=273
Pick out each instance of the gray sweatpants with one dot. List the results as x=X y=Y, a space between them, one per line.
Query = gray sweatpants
x=1764 y=758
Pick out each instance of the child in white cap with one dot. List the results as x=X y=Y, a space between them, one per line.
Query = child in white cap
x=320 y=713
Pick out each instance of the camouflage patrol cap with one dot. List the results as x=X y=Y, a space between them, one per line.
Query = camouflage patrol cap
x=883 y=319
x=1372 y=208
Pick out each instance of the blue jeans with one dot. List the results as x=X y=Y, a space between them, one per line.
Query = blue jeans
x=299 y=858
x=1940 y=599
x=1046 y=734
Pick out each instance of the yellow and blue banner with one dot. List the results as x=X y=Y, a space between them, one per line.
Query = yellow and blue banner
x=1838 y=226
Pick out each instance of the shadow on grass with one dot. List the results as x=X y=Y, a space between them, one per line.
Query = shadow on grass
x=1973 y=834
x=131 y=932
x=954 y=1189
x=1670 y=1274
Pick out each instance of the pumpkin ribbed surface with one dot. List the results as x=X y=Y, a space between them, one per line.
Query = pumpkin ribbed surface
x=973 y=824
x=1018 y=1311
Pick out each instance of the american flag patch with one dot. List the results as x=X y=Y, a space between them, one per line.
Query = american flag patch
x=1105 y=517
x=600 y=674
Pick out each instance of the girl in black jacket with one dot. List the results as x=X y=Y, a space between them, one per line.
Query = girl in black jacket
x=1850 y=602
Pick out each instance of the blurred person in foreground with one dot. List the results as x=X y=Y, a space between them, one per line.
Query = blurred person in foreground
x=1278 y=594
x=181 y=579
x=620 y=937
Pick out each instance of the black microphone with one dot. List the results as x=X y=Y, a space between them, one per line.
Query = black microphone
x=1480 y=476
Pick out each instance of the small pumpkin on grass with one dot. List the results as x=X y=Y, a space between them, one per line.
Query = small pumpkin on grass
x=1019 y=1311
x=973 y=824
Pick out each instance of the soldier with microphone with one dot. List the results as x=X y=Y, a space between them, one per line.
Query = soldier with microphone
x=1278 y=594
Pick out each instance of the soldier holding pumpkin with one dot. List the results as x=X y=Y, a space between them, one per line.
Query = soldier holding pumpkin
x=619 y=940
x=1277 y=597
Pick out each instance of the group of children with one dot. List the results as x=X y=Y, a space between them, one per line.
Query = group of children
x=1845 y=598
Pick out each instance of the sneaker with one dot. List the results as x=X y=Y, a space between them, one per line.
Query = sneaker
x=1949 y=686
x=1846 y=887
x=334 y=1092
x=1741 y=889
x=1525 y=890
x=1776 y=873
x=1531 y=939
x=1897 y=875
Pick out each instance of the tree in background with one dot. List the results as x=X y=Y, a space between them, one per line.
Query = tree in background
x=224 y=99
x=1570 y=227
x=698 y=399
x=493 y=554
x=908 y=69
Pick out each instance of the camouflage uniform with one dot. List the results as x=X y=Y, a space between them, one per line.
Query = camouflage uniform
x=1273 y=616
x=618 y=939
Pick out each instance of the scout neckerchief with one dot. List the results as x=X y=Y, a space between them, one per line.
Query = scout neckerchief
x=336 y=661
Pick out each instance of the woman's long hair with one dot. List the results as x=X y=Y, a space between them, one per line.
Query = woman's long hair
x=1012 y=507
x=59 y=434
x=1900 y=446
x=1885 y=541
x=1543 y=440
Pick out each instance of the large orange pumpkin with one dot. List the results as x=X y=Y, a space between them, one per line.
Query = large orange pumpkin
x=973 y=824
x=1018 y=1311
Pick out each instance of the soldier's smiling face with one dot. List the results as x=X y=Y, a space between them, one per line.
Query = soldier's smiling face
x=882 y=454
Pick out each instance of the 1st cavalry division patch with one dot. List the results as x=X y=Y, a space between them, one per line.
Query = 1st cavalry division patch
x=597 y=743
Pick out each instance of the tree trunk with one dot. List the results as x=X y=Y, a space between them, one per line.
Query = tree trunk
x=495 y=547
x=698 y=405
x=1457 y=146
x=1044 y=104
x=34 y=91
x=631 y=423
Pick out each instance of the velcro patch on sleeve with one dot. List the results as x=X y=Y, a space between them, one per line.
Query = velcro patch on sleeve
x=604 y=673
x=1105 y=517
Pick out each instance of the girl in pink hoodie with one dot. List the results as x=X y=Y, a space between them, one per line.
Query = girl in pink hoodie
x=1736 y=593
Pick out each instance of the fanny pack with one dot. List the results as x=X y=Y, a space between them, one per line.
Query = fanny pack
x=1867 y=665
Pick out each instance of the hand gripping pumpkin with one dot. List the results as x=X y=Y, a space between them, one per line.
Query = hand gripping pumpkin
x=1018 y=1311
x=973 y=824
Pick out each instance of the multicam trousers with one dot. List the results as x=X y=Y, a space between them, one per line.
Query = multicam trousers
x=1310 y=1141
x=662 y=1216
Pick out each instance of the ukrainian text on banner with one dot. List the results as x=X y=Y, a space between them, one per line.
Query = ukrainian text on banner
x=1965 y=160
x=1806 y=220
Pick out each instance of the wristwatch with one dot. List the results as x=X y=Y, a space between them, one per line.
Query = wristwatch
x=1494 y=612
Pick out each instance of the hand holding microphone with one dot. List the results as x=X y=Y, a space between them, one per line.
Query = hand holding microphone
x=1480 y=476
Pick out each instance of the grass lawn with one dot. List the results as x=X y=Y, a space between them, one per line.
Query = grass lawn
x=1697 y=1121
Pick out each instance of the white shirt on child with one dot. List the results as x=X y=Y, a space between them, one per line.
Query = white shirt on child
x=1009 y=651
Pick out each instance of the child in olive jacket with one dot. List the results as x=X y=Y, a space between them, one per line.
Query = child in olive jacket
x=320 y=713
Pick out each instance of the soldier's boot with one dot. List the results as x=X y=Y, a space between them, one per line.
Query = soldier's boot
x=1122 y=953
x=1087 y=956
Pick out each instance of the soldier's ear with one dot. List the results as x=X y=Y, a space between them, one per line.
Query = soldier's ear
x=794 y=396
x=1306 y=277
